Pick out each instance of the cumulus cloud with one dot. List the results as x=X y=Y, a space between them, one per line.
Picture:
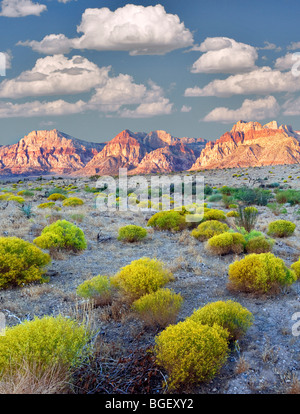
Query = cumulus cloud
x=224 y=55
x=262 y=81
x=292 y=107
x=270 y=46
x=54 y=75
x=21 y=8
x=250 y=109
x=294 y=46
x=186 y=108
x=37 y=108
x=287 y=62
x=137 y=29
x=147 y=110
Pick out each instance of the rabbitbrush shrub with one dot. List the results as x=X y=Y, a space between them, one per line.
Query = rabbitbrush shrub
x=259 y=244
x=50 y=204
x=191 y=352
x=281 y=228
x=142 y=276
x=43 y=342
x=259 y=273
x=228 y=314
x=72 y=202
x=208 y=229
x=168 y=220
x=158 y=308
x=56 y=196
x=213 y=214
x=226 y=243
x=20 y=262
x=296 y=268
x=132 y=233
x=61 y=235
x=98 y=288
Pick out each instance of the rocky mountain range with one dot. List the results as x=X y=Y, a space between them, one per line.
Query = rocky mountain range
x=54 y=152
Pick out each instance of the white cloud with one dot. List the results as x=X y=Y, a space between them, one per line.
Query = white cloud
x=186 y=108
x=292 y=107
x=54 y=75
x=256 y=109
x=286 y=62
x=37 y=108
x=21 y=8
x=147 y=110
x=263 y=81
x=269 y=46
x=294 y=46
x=137 y=29
x=224 y=55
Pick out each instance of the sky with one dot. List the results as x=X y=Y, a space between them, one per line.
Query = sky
x=92 y=68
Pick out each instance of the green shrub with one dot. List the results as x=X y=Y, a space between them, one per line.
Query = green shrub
x=226 y=243
x=141 y=276
x=56 y=196
x=229 y=314
x=259 y=244
x=208 y=229
x=214 y=198
x=51 y=204
x=98 y=289
x=256 y=196
x=61 y=235
x=281 y=228
x=259 y=273
x=132 y=233
x=191 y=352
x=20 y=262
x=44 y=342
x=72 y=202
x=25 y=193
x=168 y=220
x=159 y=308
x=288 y=196
x=247 y=218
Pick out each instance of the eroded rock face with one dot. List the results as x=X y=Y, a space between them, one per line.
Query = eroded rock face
x=251 y=144
x=46 y=152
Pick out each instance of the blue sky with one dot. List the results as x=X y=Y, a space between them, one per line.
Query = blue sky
x=92 y=68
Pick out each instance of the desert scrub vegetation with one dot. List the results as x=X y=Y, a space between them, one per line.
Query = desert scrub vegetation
x=72 y=202
x=56 y=197
x=21 y=262
x=247 y=217
x=208 y=229
x=141 y=277
x=228 y=314
x=191 y=352
x=168 y=220
x=61 y=235
x=281 y=228
x=98 y=289
x=213 y=214
x=132 y=233
x=260 y=273
x=232 y=213
x=288 y=196
x=159 y=308
x=42 y=343
x=296 y=268
x=259 y=244
x=226 y=243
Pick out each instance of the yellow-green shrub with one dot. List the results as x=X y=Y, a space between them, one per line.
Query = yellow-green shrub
x=142 y=276
x=72 y=202
x=208 y=229
x=12 y=197
x=43 y=342
x=296 y=268
x=51 y=204
x=259 y=273
x=132 y=233
x=281 y=228
x=228 y=314
x=168 y=220
x=191 y=352
x=61 y=235
x=232 y=213
x=259 y=244
x=98 y=289
x=56 y=196
x=20 y=262
x=226 y=243
x=213 y=214
x=158 y=308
